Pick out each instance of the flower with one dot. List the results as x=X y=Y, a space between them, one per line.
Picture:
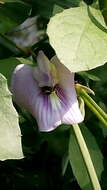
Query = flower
x=47 y=92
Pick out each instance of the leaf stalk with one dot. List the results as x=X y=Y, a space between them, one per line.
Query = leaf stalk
x=86 y=157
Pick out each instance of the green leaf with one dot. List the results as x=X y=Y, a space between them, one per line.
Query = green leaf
x=101 y=73
x=7 y=66
x=87 y=75
x=103 y=4
x=65 y=162
x=57 y=9
x=103 y=7
x=5 y=42
x=77 y=161
x=79 y=38
x=45 y=8
x=5 y=1
x=58 y=139
x=10 y=135
x=10 y=17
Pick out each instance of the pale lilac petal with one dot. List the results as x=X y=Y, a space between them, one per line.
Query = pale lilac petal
x=47 y=118
x=46 y=73
x=51 y=114
x=43 y=79
x=73 y=115
x=42 y=72
x=49 y=110
x=43 y=62
x=71 y=112
x=27 y=94
x=24 y=88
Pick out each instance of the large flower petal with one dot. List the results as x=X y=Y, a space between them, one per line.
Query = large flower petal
x=71 y=112
x=24 y=88
x=47 y=117
x=27 y=94
x=61 y=106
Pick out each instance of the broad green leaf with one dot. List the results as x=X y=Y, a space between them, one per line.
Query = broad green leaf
x=12 y=14
x=10 y=135
x=8 y=65
x=77 y=162
x=79 y=38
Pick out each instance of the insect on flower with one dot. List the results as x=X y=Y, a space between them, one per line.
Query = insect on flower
x=47 y=91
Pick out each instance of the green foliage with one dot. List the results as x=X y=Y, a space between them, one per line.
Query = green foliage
x=10 y=135
x=77 y=161
x=7 y=66
x=57 y=9
x=4 y=1
x=103 y=7
x=78 y=34
x=12 y=14
x=79 y=42
x=103 y=4
x=89 y=2
x=88 y=75
x=45 y=8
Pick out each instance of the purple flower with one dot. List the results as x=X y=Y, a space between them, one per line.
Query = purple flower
x=47 y=92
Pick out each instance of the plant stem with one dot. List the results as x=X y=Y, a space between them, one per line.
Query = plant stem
x=92 y=104
x=86 y=157
x=94 y=107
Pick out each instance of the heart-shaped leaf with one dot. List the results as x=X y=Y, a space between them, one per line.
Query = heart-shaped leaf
x=79 y=37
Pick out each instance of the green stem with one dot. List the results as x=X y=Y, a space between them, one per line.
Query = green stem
x=86 y=158
x=83 y=92
x=94 y=107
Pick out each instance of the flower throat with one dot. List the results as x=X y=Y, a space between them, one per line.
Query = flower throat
x=48 y=89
